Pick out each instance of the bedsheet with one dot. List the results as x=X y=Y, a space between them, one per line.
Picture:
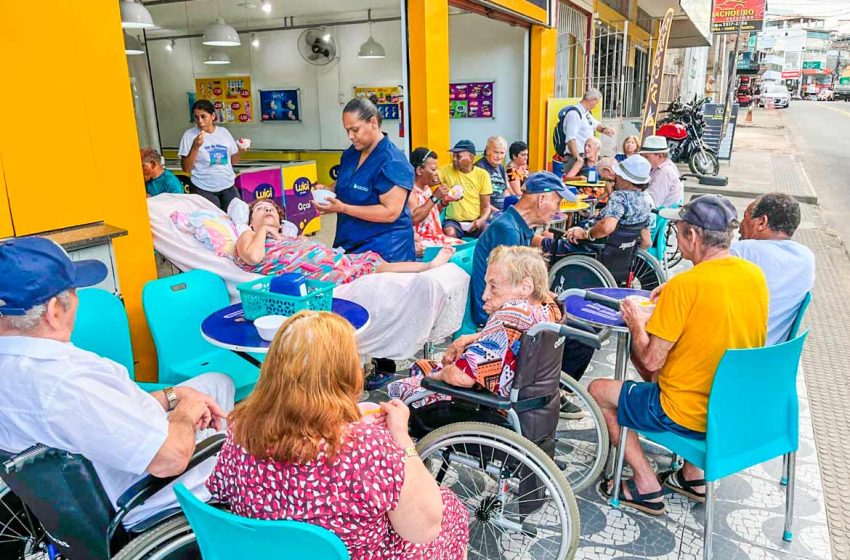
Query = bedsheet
x=405 y=310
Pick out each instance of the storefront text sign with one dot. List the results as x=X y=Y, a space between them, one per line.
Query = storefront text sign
x=728 y=15
x=650 y=109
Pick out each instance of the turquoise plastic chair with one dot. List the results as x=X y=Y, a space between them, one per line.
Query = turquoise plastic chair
x=742 y=431
x=175 y=307
x=102 y=327
x=464 y=260
x=225 y=536
x=795 y=328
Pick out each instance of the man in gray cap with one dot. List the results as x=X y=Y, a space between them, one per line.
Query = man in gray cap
x=721 y=303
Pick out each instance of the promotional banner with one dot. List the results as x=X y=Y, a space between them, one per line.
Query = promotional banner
x=231 y=96
x=264 y=183
x=727 y=15
x=387 y=98
x=280 y=105
x=471 y=100
x=553 y=107
x=650 y=109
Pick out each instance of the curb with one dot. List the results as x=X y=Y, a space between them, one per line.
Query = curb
x=700 y=189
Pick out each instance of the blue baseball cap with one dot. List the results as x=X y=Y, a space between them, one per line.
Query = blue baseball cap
x=708 y=211
x=35 y=269
x=544 y=182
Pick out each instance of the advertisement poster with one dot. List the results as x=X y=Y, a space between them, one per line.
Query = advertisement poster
x=713 y=134
x=231 y=96
x=553 y=107
x=265 y=183
x=387 y=98
x=471 y=100
x=298 y=201
x=727 y=15
x=656 y=78
x=282 y=105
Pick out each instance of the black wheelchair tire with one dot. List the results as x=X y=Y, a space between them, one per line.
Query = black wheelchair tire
x=585 y=263
x=671 y=249
x=589 y=406
x=170 y=540
x=479 y=433
x=647 y=271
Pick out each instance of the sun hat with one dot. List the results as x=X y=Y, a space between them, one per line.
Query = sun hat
x=709 y=211
x=634 y=169
x=35 y=269
x=544 y=182
x=463 y=146
x=654 y=145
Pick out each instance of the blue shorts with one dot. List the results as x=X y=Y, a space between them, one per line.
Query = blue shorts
x=455 y=224
x=639 y=408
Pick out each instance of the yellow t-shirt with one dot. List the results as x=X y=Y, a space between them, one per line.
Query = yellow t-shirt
x=475 y=183
x=717 y=305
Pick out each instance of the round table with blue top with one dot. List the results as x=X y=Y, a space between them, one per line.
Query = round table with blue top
x=228 y=328
x=595 y=314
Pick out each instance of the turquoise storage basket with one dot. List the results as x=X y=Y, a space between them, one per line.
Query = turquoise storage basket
x=258 y=301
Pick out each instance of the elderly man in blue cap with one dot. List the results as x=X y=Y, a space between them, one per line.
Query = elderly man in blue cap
x=54 y=393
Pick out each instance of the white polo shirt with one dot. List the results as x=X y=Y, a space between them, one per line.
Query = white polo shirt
x=56 y=394
x=579 y=126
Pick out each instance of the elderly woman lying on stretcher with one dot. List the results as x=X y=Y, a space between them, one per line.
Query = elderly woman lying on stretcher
x=265 y=250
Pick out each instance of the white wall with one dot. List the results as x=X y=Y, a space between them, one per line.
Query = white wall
x=277 y=64
x=485 y=49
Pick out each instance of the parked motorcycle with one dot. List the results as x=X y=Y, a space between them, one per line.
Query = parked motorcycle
x=683 y=130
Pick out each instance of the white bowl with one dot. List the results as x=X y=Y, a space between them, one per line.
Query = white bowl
x=244 y=143
x=321 y=196
x=268 y=325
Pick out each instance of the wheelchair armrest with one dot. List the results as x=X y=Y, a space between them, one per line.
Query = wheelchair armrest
x=138 y=493
x=586 y=338
x=477 y=396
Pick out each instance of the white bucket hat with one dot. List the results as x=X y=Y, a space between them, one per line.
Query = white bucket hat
x=634 y=169
x=654 y=145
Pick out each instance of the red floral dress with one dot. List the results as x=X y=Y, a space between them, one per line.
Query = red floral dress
x=349 y=495
x=429 y=232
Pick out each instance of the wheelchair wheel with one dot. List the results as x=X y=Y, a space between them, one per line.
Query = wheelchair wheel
x=646 y=272
x=671 y=251
x=171 y=540
x=581 y=444
x=520 y=505
x=21 y=536
x=579 y=271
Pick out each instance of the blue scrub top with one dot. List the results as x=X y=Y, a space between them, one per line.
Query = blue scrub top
x=383 y=169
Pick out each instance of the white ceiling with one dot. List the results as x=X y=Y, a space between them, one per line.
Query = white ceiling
x=171 y=18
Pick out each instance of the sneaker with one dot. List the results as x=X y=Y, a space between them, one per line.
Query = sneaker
x=378 y=380
x=571 y=412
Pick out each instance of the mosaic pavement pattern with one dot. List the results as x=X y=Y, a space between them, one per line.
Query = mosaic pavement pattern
x=749 y=511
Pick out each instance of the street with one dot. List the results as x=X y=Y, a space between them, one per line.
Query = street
x=820 y=131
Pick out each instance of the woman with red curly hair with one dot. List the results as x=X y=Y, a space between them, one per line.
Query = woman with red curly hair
x=297 y=449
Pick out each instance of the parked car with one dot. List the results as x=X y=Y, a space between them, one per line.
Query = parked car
x=825 y=95
x=776 y=94
x=744 y=98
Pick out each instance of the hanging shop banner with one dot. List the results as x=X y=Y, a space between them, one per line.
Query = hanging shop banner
x=387 y=98
x=283 y=105
x=553 y=107
x=650 y=109
x=231 y=96
x=471 y=100
x=728 y=15
x=713 y=135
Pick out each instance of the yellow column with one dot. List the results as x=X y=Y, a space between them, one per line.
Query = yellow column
x=541 y=86
x=6 y=229
x=68 y=139
x=428 y=64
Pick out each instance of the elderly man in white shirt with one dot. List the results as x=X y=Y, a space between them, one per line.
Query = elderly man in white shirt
x=579 y=125
x=56 y=394
x=665 y=185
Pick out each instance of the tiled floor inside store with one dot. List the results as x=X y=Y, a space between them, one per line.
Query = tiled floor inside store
x=749 y=512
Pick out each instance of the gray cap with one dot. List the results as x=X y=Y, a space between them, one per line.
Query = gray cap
x=709 y=211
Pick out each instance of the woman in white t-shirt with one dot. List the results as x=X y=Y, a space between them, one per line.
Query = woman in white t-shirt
x=208 y=152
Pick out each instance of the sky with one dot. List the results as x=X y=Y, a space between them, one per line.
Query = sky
x=831 y=10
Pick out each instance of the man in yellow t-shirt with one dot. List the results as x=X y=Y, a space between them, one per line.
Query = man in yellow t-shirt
x=467 y=216
x=721 y=303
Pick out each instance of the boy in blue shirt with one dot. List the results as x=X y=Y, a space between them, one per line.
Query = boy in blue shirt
x=158 y=179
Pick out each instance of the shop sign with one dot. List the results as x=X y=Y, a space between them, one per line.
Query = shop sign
x=790 y=74
x=472 y=100
x=812 y=64
x=650 y=109
x=728 y=15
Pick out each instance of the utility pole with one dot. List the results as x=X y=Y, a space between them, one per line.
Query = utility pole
x=733 y=72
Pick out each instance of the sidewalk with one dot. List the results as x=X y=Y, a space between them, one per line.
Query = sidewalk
x=764 y=161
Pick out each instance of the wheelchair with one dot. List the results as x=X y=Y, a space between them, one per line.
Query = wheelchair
x=59 y=509
x=501 y=455
x=618 y=261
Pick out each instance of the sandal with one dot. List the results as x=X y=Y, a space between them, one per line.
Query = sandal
x=675 y=481
x=638 y=501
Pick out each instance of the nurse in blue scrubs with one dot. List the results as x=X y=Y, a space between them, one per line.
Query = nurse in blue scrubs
x=372 y=187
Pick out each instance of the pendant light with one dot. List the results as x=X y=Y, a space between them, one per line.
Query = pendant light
x=135 y=16
x=132 y=45
x=216 y=56
x=371 y=48
x=220 y=34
